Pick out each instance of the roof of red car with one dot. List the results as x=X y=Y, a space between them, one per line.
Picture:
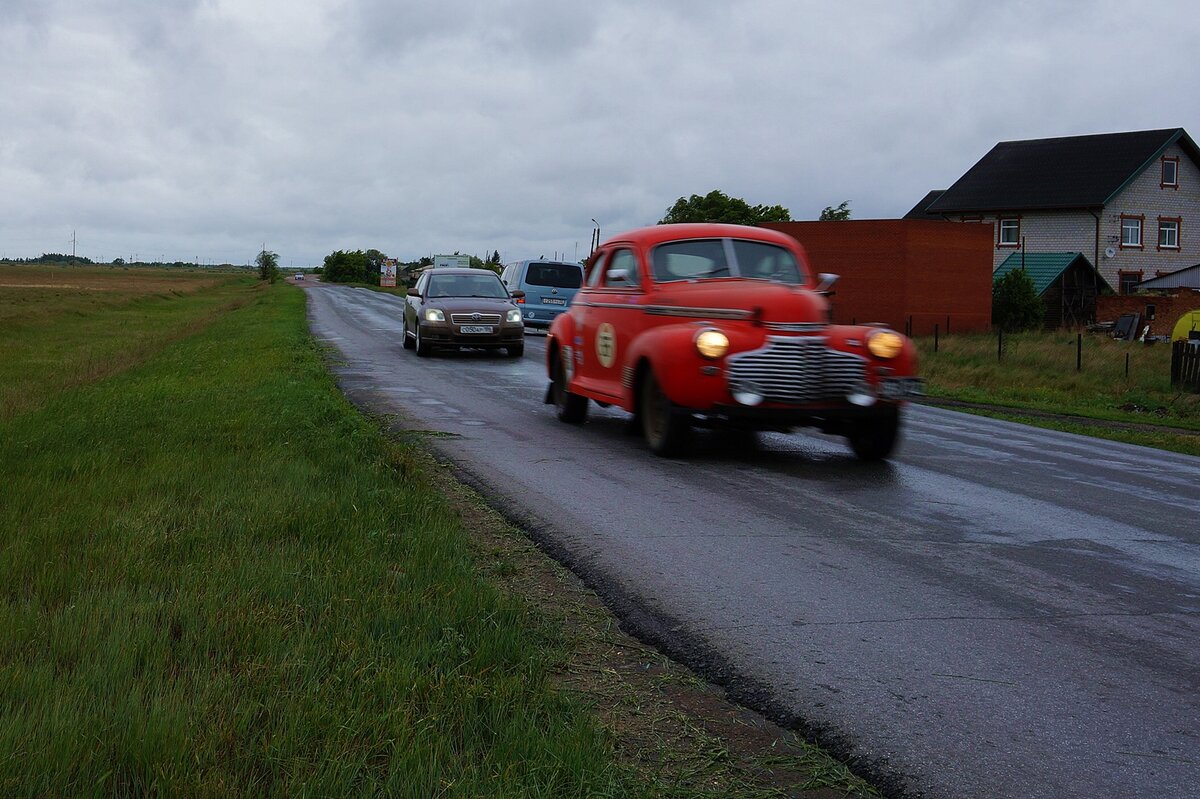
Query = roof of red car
x=657 y=234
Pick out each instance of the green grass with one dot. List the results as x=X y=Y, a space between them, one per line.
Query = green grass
x=1037 y=371
x=217 y=579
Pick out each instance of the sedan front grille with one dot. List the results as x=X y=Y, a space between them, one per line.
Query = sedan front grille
x=475 y=319
x=797 y=369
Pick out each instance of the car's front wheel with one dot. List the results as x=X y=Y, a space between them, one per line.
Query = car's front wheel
x=405 y=341
x=515 y=350
x=423 y=347
x=874 y=437
x=570 y=408
x=667 y=430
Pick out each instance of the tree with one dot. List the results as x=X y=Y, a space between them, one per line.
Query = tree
x=1016 y=305
x=345 y=267
x=268 y=265
x=494 y=259
x=839 y=214
x=717 y=206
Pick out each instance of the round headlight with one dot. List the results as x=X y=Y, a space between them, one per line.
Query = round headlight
x=885 y=344
x=434 y=315
x=712 y=344
x=514 y=315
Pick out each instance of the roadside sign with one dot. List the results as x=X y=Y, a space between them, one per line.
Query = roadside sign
x=387 y=272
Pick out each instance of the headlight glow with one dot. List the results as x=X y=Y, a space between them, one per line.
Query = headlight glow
x=712 y=344
x=514 y=315
x=885 y=344
x=434 y=315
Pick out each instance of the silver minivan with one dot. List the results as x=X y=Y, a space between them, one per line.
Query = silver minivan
x=549 y=287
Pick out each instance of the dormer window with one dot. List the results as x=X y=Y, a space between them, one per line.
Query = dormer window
x=1170 y=173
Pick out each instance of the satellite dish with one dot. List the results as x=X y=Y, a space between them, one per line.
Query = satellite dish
x=1109 y=252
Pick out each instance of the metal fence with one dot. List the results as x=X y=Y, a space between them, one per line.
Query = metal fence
x=1185 y=365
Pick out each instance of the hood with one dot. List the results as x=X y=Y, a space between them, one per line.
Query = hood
x=472 y=304
x=779 y=302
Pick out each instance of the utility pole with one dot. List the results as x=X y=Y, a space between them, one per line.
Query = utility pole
x=72 y=244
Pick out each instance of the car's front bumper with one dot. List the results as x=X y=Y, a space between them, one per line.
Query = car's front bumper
x=447 y=334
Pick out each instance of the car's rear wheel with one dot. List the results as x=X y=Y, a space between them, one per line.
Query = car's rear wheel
x=667 y=430
x=515 y=350
x=571 y=408
x=423 y=346
x=874 y=437
x=405 y=341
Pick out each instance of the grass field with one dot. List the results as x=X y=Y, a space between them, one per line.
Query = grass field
x=1037 y=371
x=218 y=579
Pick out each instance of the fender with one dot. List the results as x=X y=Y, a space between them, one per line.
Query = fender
x=687 y=378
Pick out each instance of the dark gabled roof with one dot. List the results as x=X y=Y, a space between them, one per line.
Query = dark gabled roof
x=918 y=211
x=1071 y=172
x=1043 y=267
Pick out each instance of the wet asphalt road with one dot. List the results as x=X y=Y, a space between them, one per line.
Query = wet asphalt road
x=999 y=611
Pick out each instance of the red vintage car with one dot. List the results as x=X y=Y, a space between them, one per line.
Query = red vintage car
x=723 y=325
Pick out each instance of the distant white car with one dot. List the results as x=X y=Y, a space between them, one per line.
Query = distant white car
x=299 y=277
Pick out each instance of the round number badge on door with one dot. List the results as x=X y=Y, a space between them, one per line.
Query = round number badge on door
x=606 y=345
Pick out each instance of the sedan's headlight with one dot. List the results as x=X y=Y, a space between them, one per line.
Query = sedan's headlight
x=434 y=315
x=514 y=315
x=885 y=344
x=712 y=344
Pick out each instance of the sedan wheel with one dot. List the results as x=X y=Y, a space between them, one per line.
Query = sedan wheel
x=874 y=438
x=571 y=408
x=423 y=346
x=667 y=431
x=405 y=341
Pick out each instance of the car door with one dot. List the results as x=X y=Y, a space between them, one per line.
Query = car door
x=612 y=319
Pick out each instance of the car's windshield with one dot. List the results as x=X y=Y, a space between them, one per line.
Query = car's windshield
x=485 y=284
x=764 y=261
x=559 y=276
x=688 y=260
x=704 y=258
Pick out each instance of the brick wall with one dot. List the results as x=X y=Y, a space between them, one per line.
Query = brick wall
x=897 y=270
x=1167 y=309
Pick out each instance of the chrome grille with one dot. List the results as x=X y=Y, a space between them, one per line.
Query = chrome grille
x=475 y=319
x=797 y=369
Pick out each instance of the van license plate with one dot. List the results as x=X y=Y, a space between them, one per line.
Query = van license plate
x=475 y=329
x=554 y=300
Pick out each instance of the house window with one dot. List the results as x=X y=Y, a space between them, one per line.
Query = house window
x=1131 y=232
x=1170 y=173
x=1168 y=233
x=1010 y=232
x=1128 y=280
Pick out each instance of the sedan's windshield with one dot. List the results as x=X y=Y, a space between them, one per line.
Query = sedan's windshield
x=766 y=261
x=485 y=284
x=689 y=260
x=704 y=258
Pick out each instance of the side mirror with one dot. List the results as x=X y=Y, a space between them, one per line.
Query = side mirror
x=518 y=294
x=617 y=277
x=414 y=293
x=825 y=283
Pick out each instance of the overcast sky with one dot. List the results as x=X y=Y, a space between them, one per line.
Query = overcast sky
x=202 y=129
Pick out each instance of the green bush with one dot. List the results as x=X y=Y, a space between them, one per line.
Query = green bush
x=1016 y=305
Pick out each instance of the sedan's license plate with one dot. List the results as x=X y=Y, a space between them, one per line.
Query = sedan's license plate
x=554 y=300
x=475 y=329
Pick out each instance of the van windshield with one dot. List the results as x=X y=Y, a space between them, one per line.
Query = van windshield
x=559 y=276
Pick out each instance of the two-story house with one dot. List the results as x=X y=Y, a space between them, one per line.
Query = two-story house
x=1127 y=202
